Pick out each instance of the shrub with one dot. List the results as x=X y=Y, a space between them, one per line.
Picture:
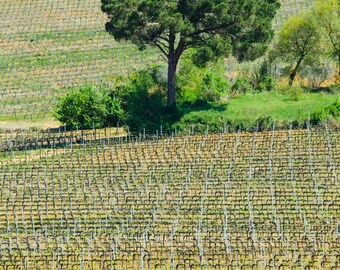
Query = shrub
x=115 y=113
x=202 y=83
x=214 y=121
x=138 y=101
x=214 y=86
x=261 y=77
x=198 y=121
x=144 y=99
x=258 y=74
x=265 y=123
x=332 y=111
x=240 y=86
x=267 y=84
x=294 y=93
x=89 y=107
x=83 y=108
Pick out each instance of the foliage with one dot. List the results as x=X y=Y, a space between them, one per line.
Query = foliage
x=138 y=101
x=298 y=40
x=259 y=110
x=326 y=13
x=316 y=71
x=240 y=86
x=214 y=28
x=255 y=75
x=143 y=99
x=261 y=77
x=115 y=113
x=202 y=83
x=308 y=42
x=85 y=107
x=267 y=83
x=214 y=121
x=325 y=113
x=293 y=93
x=200 y=121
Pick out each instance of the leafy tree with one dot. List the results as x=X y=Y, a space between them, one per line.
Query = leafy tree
x=215 y=28
x=327 y=13
x=298 y=40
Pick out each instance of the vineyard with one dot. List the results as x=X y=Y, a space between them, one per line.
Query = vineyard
x=112 y=199
x=48 y=46
x=244 y=200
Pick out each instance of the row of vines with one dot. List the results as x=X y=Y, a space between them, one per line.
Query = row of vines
x=257 y=200
x=48 y=46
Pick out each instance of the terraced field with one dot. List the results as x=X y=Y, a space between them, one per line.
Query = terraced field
x=260 y=200
x=47 y=46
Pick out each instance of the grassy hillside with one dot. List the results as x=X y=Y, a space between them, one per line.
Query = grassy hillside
x=261 y=108
x=47 y=46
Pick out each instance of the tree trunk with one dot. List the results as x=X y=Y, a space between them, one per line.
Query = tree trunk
x=294 y=72
x=172 y=64
x=173 y=58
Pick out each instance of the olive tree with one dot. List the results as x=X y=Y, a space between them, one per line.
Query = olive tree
x=327 y=14
x=297 y=40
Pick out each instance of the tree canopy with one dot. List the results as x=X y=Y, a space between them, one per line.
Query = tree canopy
x=297 y=40
x=309 y=38
x=327 y=13
x=215 y=28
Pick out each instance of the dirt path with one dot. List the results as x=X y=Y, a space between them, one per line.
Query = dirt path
x=26 y=124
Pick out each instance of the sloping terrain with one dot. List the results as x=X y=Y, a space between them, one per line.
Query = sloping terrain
x=48 y=46
x=226 y=201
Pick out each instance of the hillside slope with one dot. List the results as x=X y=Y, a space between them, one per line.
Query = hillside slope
x=224 y=201
x=49 y=45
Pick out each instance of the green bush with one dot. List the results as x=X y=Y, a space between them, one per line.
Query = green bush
x=83 y=108
x=240 y=86
x=143 y=99
x=138 y=101
x=265 y=123
x=258 y=74
x=267 y=84
x=214 y=86
x=215 y=121
x=332 y=111
x=198 y=121
x=115 y=114
x=89 y=107
x=293 y=93
x=202 y=83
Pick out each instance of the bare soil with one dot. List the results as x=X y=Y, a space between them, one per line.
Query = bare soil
x=26 y=124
